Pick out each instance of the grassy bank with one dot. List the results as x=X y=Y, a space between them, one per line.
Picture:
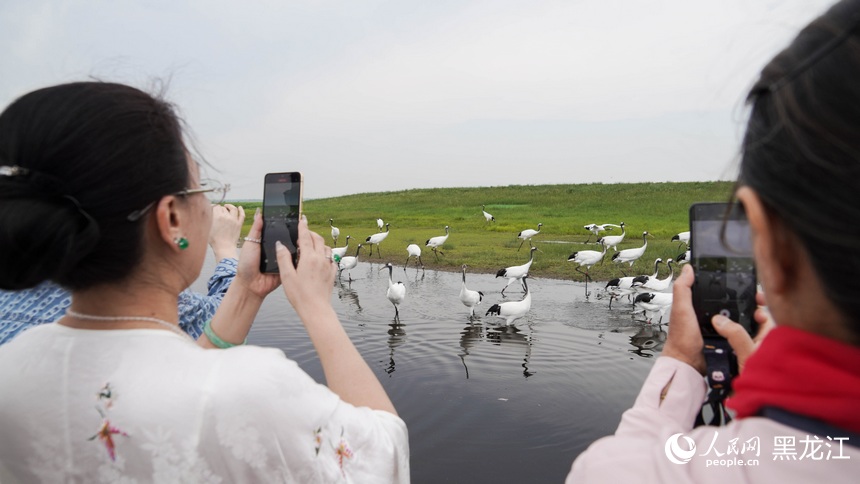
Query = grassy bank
x=417 y=215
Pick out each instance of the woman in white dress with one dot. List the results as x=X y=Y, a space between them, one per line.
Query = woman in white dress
x=99 y=194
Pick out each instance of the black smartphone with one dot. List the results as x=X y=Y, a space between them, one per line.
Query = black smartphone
x=722 y=258
x=282 y=207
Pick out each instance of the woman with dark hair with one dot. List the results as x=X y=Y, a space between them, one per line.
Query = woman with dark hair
x=48 y=301
x=99 y=194
x=798 y=393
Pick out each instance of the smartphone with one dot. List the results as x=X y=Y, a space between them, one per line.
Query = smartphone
x=282 y=207
x=722 y=258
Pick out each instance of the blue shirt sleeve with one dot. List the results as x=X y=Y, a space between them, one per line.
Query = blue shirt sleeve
x=195 y=309
x=20 y=310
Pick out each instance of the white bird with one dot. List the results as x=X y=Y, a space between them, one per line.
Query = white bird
x=683 y=258
x=513 y=310
x=623 y=286
x=468 y=297
x=682 y=237
x=340 y=251
x=413 y=251
x=335 y=232
x=380 y=224
x=587 y=258
x=514 y=273
x=396 y=290
x=639 y=280
x=435 y=242
x=652 y=284
x=527 y=235
x=620 y=286
x=487 y=216
x=654 y=302
x=596 y=229
x=348 y=263
x=614 y=240
x=376 y=239
x=631 y=255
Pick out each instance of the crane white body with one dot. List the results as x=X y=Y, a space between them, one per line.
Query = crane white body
x=527 y=235
x=653 y=303
x=340 y=251
x=335 y=232
x=489 y=218
x=470 y=298
x=412 y=250
x=614 y=240
x=348 y=263
x=513 y=310
x=376 y=239
x=631 y=255
x=435 y=242
x=396 y=290
x=515 y=273
x=653 y=284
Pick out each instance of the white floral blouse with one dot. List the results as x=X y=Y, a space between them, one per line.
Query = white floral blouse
x=144 y=405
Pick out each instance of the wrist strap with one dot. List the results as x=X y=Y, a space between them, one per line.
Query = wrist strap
x=721 y=366
x=217 y=341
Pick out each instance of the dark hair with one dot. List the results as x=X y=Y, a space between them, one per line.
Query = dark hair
x=89 y=153
x=801 y=151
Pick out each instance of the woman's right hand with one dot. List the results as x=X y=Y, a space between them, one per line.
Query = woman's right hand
x=737 y=335
x=309 y=285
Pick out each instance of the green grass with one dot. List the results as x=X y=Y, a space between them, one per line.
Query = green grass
x=416 y=215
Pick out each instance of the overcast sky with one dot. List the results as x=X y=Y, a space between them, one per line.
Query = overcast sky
x=379 y=95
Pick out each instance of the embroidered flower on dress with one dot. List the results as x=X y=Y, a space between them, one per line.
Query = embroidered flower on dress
x=106 y=433
x=343 y=452
x=106 y=394
x=317 y=440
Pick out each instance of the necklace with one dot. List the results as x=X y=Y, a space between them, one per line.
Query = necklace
x=171 y=327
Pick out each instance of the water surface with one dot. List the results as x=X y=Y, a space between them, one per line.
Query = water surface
x=484 y=402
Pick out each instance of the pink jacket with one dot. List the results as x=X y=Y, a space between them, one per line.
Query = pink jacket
x=656 y=442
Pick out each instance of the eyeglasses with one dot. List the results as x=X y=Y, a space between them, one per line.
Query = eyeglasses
x=215 y=191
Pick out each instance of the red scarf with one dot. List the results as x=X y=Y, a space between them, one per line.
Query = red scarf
x=802 y=373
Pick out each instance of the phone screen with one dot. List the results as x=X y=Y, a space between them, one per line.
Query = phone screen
x=282 y=206
x=723 y=263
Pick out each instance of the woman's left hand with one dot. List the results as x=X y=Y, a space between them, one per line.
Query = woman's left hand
x=248 y=271
x=685 y=341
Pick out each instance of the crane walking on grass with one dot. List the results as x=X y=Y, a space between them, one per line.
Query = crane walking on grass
x=527 y=235
x=631 y=255
x=596 y=229
x=515 y=273
x=614 y=240
x=489 y=218
x=470 y=298
x=335 y=232
x=376 y=239
x=435 y=242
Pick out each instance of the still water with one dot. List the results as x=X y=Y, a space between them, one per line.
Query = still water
x=484 y=402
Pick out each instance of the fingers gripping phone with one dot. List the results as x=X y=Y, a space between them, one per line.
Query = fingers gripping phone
x=282 y=207
x=723 y=263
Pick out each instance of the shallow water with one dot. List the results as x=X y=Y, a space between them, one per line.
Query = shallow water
x=484 y=402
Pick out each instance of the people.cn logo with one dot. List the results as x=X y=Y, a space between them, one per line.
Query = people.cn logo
x=675 y=453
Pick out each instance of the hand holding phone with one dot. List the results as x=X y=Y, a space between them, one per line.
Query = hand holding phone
x=282 y=207
x=721 y=256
